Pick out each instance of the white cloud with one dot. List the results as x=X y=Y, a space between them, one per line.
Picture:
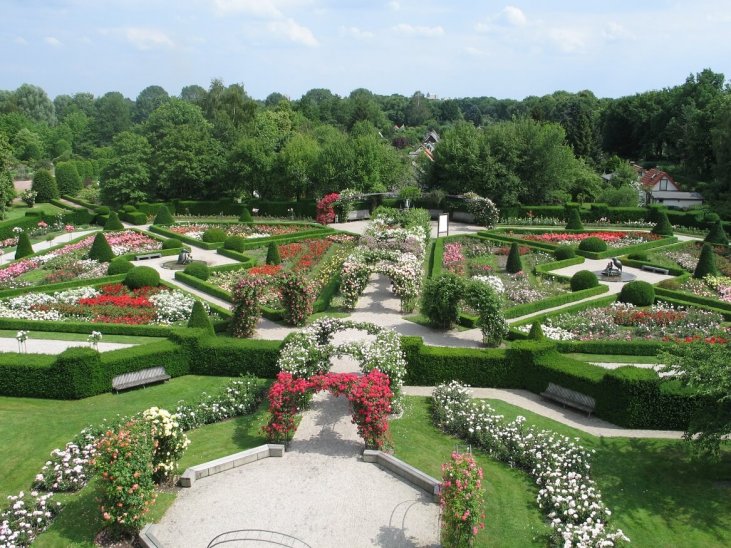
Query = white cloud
x=146 y=38
x=355 y=32
x=53 y=41
x=514 y=16
x=20 y=41
x=293 y=31
x=411 y=30
x=394 y=5
x=259 y=8
x=568 y=40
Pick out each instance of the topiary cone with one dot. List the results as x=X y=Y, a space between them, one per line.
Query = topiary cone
x=273 y=254
x=514 y=263
x=706 y=263
x=536 y=332
x=163 y=217
x=574 y=220
x=663 y=226
x=246 y=216
x=199 y=318
x=24 y=247
x=101 y=250
x=717 y=235
x=113 y=223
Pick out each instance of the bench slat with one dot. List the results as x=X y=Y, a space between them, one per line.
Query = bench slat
x=139 y=378
x=569 y=397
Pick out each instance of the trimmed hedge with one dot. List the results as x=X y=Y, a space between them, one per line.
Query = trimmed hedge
x=273 y=254
x=596 y=245
x=172 y=243
x=706 y=263
x=60 y=286
x=113 y=222
x=133 y=217
x=563 y=252
x=163 y=217
x=514 y=263
x=198 y=270
x=529 y=308
x=24 y=247
x=235 y=243
x=100 y=249
x=119 y=265
x=142 y=276
x=214 y=235
x=583 y=279
x=204 y=286
x=638 y=293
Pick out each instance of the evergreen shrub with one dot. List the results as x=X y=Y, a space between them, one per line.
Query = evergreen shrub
x=583 y=279
x=514 y=263
x=172 y=243
x=24 y=247
x=638 y=293
x=100 y=249
x=119 y=265
x=706 y=262
x=163 y=217
x=113 y=223
x=574 y=219
x=214 y=235
x=273 y=254
x=142 y=276
x=593 y=244
x=198 y=270
x=563 y=252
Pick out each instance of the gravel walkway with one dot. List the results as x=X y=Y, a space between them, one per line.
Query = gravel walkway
x=41 y=246
x=53 y=346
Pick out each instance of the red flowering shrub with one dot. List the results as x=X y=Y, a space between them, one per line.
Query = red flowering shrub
x=298 y=298
x=246 y=297
x=265 y=270
x=461 y=499
x=325 y=209
x=288 y=251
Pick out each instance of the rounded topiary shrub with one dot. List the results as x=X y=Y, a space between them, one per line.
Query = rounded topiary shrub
x=214 y=235
x=706 y=263
x=172 y=243
x=100 y=249
x=638 y=293
x=199 y=318
x=102 y=210
x=536 y=331
x=638 y=256
x=142 y=276
x=127 y=208
x=119 y=265
x=717 y=235
x=670 y=283
x=273 y=254
x=163 y=217
x=24 y=247
x=514 y=264
x=440 y=299
x=234 y=243
x=198 y=270
x=113 y=223
x=573 y=219
x=246 y=216
x=583 y=279
x=564 y=252
x=663 y=226
x=594 y=244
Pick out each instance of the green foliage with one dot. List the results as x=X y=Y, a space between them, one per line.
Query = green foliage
x=214 y=235
x=68 y=179
x=142 y=276
x=163 y=217
x=624 y=196
x=119 y=265
x=441 y=298
x=246 y=216
x=172 y=243
x=514 y=263
x=102 y=210
x=638 y=293
x=126 y=177
x=24 y=247
x=536 y=332
x=706 y=263
x=199 y=318
x=273 y=254
x=235 y=243
x=564 y=252
x=717 y=235
x=45 y=185
x=113 y=223
x=583 y=279
x=101 y=250
x=663 y=226
x=574 y=219
x=594 y=244
x=198 y=270
x=492 y=323
x=638 y=256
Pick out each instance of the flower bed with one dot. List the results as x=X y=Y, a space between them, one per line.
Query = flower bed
x=559 y=466
x=112 y=303
x=621 y=321
x=196 y=230
x=615 y=239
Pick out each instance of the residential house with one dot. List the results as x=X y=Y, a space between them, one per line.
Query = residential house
x=661 y=188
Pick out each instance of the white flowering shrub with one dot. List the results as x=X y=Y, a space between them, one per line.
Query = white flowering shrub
x=169 y=442
x=173 y=306
x=493 y=281
x=27 y=515
x=68 y=468
x=559 y=466
x=239 y=397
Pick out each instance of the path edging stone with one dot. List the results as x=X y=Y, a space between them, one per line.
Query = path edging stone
x=405 y=471
x=230 y=462
x=147 y=537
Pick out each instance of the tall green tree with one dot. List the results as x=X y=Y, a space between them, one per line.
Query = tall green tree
x=35 y=104
x=113 y=115
x=126 y=178
x=7 y=191
x=148 y=100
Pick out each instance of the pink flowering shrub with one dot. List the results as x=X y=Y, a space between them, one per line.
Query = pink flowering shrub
x=461 y=499
x=326 y=208
x=453 y=259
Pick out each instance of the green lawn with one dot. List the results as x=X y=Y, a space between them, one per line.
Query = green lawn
x=611 y=358
x=19 y=210
x=658 y=495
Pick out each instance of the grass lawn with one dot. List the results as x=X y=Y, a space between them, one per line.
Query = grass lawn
x=19 y=210
x=420 y=319
x=61 y=336
x=658 y=495
x=611 y=358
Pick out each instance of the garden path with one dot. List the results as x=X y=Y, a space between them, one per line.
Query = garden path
x=40 y=246
x=52 y=346
x=320 y=492
x=534 y=403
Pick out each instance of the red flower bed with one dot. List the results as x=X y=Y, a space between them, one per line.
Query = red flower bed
x=710 y=340
x=127 y=301
x=315 y=250
x=288 y=251
x=504 y=250
x=552 y=237
x=643 y=317
x=265 y=270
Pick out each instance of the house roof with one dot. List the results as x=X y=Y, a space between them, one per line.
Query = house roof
x=676 y=195
x=653 y=176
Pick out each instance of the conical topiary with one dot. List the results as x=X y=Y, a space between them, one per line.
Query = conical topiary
x=663 y=226
x=101 y=250
x=574 y=219
x=199 y=318
x=45 y=185
x=706 y=263
x=536 y=331
x=514 y=263
x=717 y=235
x=24 y=247
x=113 y=223
x=246 y=216
x=273 y=254
x=163 y=217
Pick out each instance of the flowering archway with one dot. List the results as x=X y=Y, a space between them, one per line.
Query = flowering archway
x=305 y=365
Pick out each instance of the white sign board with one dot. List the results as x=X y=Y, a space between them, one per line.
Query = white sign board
x=443 y=225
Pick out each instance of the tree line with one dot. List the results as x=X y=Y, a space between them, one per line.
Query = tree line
x=221 y=142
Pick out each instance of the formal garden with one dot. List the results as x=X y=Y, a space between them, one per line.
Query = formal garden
x=535 y=310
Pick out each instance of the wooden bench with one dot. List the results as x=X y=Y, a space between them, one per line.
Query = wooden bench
x=656 y=269
x=148 y=256
x=139 y=378
x=566 y=396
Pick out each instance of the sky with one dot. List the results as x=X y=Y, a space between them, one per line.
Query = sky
x=447 y=49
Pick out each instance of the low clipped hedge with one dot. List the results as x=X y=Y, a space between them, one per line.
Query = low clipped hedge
x=60 y=286
x=529 y=308
x=133 y=217
x=198 y=270
x=563 y=252
x=632 y=347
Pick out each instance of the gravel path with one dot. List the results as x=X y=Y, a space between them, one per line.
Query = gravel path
x=53 y=346
x=41 y=246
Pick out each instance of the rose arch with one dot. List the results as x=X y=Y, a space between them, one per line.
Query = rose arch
x=305 y=365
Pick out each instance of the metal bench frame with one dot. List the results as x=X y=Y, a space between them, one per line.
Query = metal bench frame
x=566 y=396
x=139 y=378
x=148 y=256
x=655 y=269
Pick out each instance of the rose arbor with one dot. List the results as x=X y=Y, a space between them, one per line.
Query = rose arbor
x=305 y=364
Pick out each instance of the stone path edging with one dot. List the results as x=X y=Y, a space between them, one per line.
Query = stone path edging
x=409 y=473
x=189 y=477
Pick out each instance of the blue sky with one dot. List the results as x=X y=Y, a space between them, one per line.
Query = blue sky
x=451 y=49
